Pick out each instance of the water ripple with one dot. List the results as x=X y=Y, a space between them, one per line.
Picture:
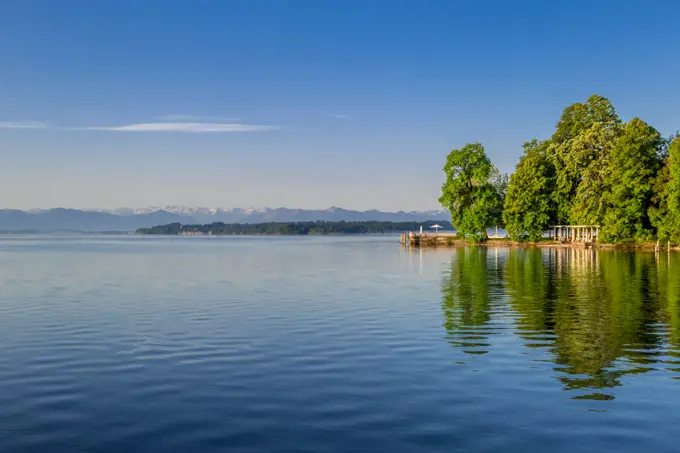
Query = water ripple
x=333 y=344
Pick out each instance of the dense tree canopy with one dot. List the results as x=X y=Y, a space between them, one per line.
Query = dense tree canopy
x=529 y=204
x=594 y=170
x=580 y=150
x=292 y=228
x=473 y=192
x=664 y=212
x=633 y=167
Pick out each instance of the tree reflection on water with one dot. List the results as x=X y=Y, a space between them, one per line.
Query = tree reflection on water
x=600 y=314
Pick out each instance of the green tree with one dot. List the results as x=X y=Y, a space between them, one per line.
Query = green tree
x=580 y=149
x=529 y=205
x=674 y=188
x=591 y=153
x=293 y=228
x=632 y=170
x=579 y=117
x=473 y=191
x=500 y=182
x=664 y=212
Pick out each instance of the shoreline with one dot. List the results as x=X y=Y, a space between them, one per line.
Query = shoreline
x=449 y=242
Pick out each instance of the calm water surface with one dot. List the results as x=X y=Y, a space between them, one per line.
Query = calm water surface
x=334 y=345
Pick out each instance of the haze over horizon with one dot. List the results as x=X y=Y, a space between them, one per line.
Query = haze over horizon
x=181 y=208
x=303 y=104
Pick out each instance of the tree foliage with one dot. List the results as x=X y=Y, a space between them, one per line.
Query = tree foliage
x=580 y=150
x=594 y=170
x=529 y=206
x=291 y=228
x=664 y=212
x=630 y=178
x=473 y=192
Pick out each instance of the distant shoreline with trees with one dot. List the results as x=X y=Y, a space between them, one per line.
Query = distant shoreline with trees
x=594 y=170
x=293 y=228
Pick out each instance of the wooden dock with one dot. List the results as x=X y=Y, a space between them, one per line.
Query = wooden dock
x=430 y=239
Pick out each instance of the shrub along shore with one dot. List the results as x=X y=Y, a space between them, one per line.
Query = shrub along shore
x=594 y=170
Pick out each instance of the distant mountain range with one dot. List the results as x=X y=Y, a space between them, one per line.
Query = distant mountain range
x=128 y=219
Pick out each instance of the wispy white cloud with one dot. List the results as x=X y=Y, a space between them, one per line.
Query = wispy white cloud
x=338 y=116
x=198 y=118
x=191 y=127
x=23 y=125
x=185 y=127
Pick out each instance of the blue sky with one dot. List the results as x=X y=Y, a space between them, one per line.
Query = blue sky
x=304 y=103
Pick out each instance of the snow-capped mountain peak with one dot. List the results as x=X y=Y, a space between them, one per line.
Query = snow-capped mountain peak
x=127 y=219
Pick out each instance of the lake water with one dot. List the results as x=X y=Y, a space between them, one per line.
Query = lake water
x=206 y=344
